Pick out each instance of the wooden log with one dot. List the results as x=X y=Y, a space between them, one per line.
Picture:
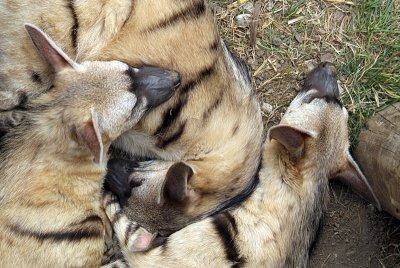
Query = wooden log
x=378 y=154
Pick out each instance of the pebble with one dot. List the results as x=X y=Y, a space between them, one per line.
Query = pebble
x=310 y=65
x=298 y=38
x=276 y=41
x=248 y=7
x=243 y=20
x=267 y=107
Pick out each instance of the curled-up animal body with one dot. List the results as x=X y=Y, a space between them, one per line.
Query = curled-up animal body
x=52 y=164
x=277 y=224
x=214 y=117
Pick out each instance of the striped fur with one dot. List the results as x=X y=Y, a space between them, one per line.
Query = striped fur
x=53 y=163
x=213 y=118
x=277 y=224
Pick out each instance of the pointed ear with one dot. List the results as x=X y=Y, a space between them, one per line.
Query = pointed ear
x=351 y=175
x=90 y=134
x=176 y=188
x=49 y=50
x=290 y=137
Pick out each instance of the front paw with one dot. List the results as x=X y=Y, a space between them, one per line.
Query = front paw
x=131 y=236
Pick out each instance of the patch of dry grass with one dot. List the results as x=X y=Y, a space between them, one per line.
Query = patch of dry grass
x=360 y=37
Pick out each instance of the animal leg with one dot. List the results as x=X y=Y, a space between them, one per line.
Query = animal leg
x=130 y=235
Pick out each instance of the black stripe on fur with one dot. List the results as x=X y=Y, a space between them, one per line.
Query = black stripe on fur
x=162 y=143
x=59 y=236
x=214 y=106
x=203 y=75
x=172 y=115
x=92 y=219
x=225 y=225
x=75 y=27
x=193 y=11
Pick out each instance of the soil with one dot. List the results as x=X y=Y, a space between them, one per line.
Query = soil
x=355 y=234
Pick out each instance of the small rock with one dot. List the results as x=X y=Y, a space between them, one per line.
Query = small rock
x=329 y=57
x=283 y=36
x=243 y=20
x=282 y=61
x=248 y=7
x=310 y=65
x=266 y=107
x=298 y=38
x=276 y=41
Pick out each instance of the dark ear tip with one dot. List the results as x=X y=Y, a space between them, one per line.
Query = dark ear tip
x=29 y=27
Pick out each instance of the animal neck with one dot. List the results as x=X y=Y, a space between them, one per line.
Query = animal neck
x=291 y=201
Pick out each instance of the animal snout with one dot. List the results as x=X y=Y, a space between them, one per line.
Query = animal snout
x=323 y=80
x=117 y=178
x=155 y=84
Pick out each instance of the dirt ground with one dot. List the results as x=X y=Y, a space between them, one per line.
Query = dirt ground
x=291 y=38
x=355 y=234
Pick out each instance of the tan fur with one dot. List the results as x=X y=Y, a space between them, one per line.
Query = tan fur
x=214 y=117
x=277 y=224
x=50 y=186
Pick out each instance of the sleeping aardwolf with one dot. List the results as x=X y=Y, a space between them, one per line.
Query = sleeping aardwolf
x=277 y=224
x=53 y=163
